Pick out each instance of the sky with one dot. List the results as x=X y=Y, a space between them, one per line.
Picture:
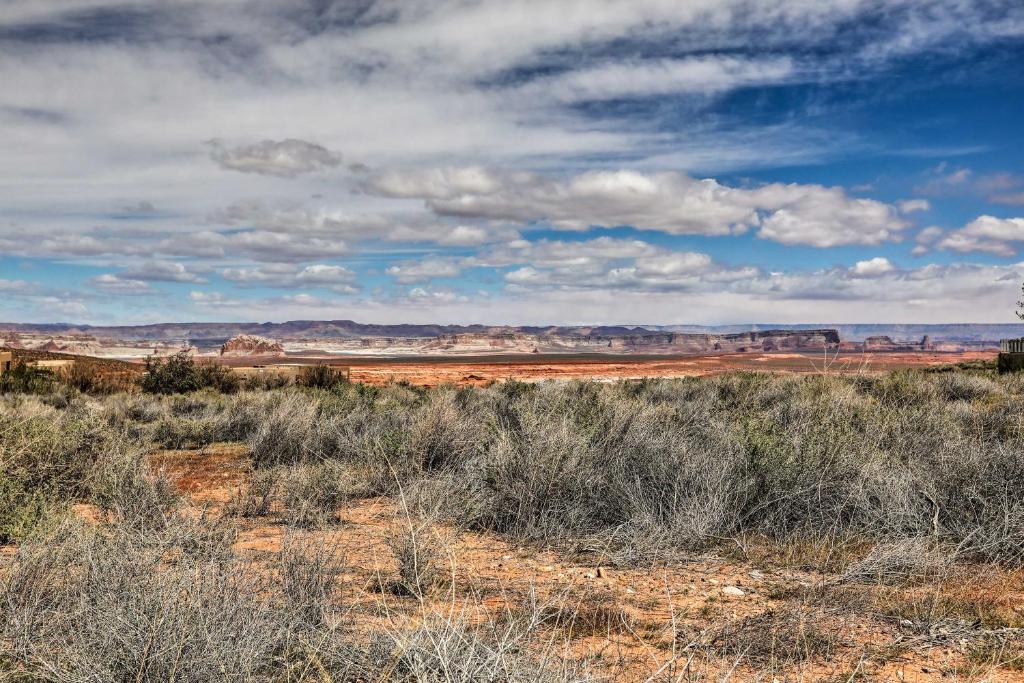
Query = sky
x=511 y=161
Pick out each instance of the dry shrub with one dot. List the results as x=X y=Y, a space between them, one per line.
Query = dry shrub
x=903 y=561
x=458 y=649
x=778 y=636
x=287 y=433
x=998 y=651
x=88 y=604
x=307 y=574
x=312 y=493
x=581 y=612
x=125 y=488
x=256 y=497
x=419 y=550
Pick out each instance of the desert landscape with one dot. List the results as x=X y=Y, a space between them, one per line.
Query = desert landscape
x=749 y=525
x=511 y=341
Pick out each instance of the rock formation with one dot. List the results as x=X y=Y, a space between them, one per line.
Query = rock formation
x=251 y=345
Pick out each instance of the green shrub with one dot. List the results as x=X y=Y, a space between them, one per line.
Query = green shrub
x=180 y=374
x=321 y=376
x=21 y=510
x=24 y=379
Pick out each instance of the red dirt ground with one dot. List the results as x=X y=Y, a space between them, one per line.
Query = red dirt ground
x=478 y=370
x=654 y=611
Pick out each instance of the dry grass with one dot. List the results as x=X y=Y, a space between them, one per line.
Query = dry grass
x=896 y=499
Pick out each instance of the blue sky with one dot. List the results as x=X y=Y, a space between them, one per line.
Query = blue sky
x=519 y=162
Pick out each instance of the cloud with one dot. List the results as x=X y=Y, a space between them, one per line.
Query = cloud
x=942 y=182
x=213 y=300
x=986 y=233
x=139 y=208
x=875 y=267
x=608 y=263
x=286 y=275
x=307 y=222
x=478 y=122
x=428 y=297
x=668 y=202
x=14 y=286
x=262 y=245
x=912 y=205
x=765 y=294
x=116 y=284
x=425 y=270
x=622 y=79
x=1009 y=198
x=162 y=271
x=285 y=159
x=825 y=217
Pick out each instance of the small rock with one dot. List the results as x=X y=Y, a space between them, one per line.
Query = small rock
x=733 y=591
x=714 y=581
x=756 y=575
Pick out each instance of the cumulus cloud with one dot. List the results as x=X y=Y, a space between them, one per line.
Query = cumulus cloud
x=875 y=267
x=285 y=159
x=986 y=233
x=668 y=202
x=825 y=217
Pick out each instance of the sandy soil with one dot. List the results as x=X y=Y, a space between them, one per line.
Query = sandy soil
x=480 y=370
x=643 y=614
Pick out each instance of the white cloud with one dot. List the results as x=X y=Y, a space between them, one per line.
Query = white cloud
x=425 y=270
x=434 y=90
x=286 y=275
x=428 y=297
x=116 y=284
x=286 y=159
x=702 y=75
x=14 y=285
x=874 y=267
x=825 y=217
x=162 y=271
x=986 y=233
x=213 y=300
x=668 y=202
x=912 y=205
